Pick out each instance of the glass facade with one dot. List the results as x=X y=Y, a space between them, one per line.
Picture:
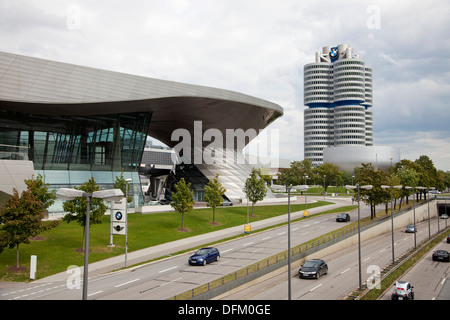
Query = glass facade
x=69 y=150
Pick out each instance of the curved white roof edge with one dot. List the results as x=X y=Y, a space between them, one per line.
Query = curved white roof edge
x=34 y=80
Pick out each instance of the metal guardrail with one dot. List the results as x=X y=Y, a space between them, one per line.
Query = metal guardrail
x=260 y=268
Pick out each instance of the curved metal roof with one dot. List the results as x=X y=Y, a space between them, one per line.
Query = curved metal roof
x=38 y=86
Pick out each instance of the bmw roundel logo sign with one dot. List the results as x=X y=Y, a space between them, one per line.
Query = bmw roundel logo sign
x=334 y=53
x=118 y=215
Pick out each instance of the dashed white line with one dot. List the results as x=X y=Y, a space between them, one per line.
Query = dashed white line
x=222 y=252
x=315 y=287
x=162 y=285
x=345 y=270
x=168 y=269
x=247 y=244
x=382 y=250
x=122 y=284
x=366 y=259
x=94 y=293
x=279 y=234
x=266 y=238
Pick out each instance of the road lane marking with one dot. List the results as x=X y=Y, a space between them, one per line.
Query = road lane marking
x=315 y=287
x=226 y=250
x=168 y=269
x=162 y=285
x=345 y=271
x=266 y=238
x=247 y=244
x=122 y=284
x=366 y=259
x=91 y=294
x=382 y=250
x=281 y=233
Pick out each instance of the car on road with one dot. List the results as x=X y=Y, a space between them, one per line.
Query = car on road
x=403 y=291
x=313 y=268
x=444 y=216
x=342 y=217
x=448 y=238
x=204 y=256
x=441 y=255
x=411 y=228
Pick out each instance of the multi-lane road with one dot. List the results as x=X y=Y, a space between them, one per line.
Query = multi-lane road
x=166 y=278
x=343 y=271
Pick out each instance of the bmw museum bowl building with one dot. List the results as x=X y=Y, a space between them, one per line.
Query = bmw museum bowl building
x=70 y=123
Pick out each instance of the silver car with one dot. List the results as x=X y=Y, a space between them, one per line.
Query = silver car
x=403 y=291
x=411 y=228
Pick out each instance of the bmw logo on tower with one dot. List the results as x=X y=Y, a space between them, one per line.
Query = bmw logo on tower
x=334 y=53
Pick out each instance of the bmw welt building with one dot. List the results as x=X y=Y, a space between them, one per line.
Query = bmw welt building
x=74 y=122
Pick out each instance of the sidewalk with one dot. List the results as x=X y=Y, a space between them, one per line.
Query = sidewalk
x=139 y=256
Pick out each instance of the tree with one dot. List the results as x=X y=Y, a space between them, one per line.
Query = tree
x=327 y=173
x=367 y=175
x=295 y=175
x=121 y=183
x=77 y=207
x=255 y=188
x=213 y=194
x=408 y=177
x=40 y=191
x=428 y=174
x=20 y=219
x=182 y=199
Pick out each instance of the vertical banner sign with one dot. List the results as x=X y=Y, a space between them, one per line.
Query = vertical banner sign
x=119 y=218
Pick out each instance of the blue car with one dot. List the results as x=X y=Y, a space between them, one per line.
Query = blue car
x=204 y=256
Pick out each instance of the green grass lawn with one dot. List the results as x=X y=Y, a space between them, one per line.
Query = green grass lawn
x=61 y=246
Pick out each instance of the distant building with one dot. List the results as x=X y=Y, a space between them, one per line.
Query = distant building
x=349 y=157
x=338 y=121
x=338 y=97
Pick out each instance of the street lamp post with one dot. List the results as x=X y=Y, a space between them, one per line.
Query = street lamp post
x=414 y=212
x=69 y=195
x=126 y=221
x=288 y=189
x=392 y=216
x=367 y=187
x=429 y=227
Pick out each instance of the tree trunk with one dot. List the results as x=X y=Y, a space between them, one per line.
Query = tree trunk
x=17 y=256
x=182 y=221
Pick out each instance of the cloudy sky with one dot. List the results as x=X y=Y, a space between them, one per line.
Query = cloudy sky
x=259 y=47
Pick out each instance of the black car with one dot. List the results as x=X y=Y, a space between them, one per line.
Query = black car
x=448 y=238
x=313 y=269
x=204 y=256
x=441 y=255
x=342 y=217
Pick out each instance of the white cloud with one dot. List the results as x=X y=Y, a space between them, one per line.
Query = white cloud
x=258 y=48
